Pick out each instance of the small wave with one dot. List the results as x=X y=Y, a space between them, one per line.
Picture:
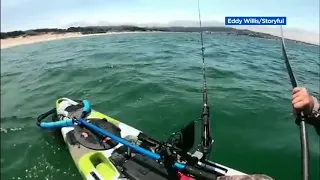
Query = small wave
x=219 y=54
x=109 y=56
x=61 y=61
x=10 y=74
x=51 y=73
x=14 y=118
x=219 y=73
x=15 y=123
x=171 y=52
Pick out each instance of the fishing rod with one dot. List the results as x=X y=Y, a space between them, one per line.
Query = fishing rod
x=300 y=119
x=206 y=140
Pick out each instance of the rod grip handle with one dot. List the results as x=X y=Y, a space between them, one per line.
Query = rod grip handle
x=200 y=173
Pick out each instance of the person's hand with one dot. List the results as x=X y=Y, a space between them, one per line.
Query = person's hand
x=301 y=100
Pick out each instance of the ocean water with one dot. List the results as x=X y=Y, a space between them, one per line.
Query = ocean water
x=153 y=81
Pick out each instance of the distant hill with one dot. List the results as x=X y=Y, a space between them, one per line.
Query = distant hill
x=104 y=29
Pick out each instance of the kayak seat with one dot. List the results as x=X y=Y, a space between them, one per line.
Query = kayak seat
x=74 y=111
x=84 y=136
x=93 y=140
x=97 y=165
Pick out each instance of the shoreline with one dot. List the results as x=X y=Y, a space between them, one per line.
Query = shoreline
x=18 y=41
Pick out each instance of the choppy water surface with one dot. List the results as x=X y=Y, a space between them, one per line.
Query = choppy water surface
x=154 y=83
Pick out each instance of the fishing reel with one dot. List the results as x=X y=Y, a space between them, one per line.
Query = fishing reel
x=183 y=139
x=180 y=143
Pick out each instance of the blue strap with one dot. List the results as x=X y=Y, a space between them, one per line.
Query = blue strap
x=56 y=124
x=67 y=122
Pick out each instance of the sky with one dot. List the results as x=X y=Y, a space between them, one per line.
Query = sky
x=31 y=14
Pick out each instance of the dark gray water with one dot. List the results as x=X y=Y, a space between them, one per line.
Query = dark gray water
x=154 y=83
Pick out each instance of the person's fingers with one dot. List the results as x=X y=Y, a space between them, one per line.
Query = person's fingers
x=296 y=89
x=303 y=93
x=297 y=94
x=298 y=99
x=300 y=104
x=300 y=95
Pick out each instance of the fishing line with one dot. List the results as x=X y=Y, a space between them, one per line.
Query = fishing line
x=206 y=140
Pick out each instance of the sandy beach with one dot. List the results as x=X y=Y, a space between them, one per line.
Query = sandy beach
x=11 y=42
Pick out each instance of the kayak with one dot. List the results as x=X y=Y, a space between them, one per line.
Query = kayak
x=98 y=157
